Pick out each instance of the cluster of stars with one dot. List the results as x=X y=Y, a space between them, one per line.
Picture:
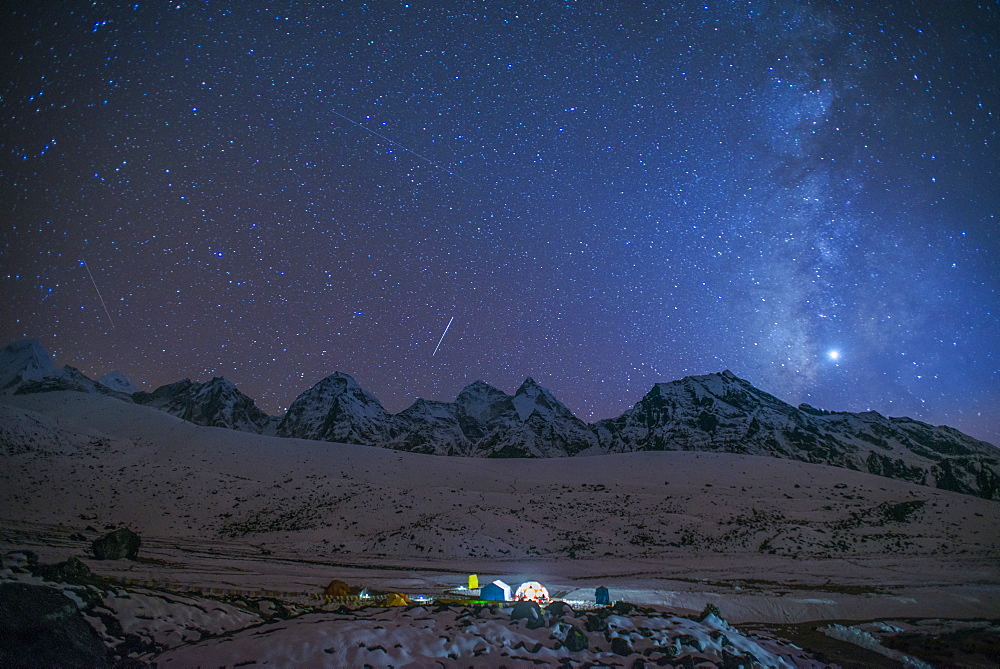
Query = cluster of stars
x=601 y=198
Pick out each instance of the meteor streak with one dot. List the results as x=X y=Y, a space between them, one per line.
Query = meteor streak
x=395 y=143
x=84 y=263
x=442 y=337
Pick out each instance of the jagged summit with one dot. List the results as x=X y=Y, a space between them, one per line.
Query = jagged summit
x=215 y=403
x=335 y=409
x=717 y=412
x=531 y=397
x=482 y=402
x=23 y=360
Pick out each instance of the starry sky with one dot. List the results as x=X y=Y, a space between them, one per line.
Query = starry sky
x=599 y=195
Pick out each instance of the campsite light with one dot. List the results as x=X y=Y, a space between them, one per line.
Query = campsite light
x=532 y=591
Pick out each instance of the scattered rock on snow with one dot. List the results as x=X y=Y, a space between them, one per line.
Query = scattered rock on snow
x=73 y=570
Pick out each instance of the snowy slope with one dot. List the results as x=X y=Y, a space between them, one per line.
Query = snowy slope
x=636 y=518
x=23 y=431
x=261 y=523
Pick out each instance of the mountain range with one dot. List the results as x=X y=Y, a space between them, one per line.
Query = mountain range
x=712 y=413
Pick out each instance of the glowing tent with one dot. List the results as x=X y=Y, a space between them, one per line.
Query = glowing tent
x=338 y=589
x=396 y=599
x=532 y=591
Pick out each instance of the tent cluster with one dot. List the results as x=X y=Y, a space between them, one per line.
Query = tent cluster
x=529 y=591
x=338 y=590
x=496 y=591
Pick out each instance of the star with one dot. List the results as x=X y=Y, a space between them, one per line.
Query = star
x=611 y=197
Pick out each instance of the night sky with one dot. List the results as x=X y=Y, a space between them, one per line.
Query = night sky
x=602 y=195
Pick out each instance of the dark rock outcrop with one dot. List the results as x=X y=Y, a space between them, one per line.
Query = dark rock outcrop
x=73 y=570
x=121 y=544
x=42 y=627
x=576 y=640
x=215 y=403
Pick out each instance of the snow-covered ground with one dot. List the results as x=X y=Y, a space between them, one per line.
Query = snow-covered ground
x=763 y=539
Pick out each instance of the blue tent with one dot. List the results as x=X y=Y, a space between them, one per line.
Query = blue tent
x=497 y=591
x=602 y=596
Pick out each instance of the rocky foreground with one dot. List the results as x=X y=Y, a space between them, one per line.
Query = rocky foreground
x=65 y=615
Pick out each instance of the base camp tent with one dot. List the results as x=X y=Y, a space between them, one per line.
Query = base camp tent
x=497 y=591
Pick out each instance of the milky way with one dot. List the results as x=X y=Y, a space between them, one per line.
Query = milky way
x=602 y=195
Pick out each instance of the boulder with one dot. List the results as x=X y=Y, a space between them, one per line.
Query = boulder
x=560 y=609
x=123 y=543
x=530 y=611
x=620 y=646
x=20 y=560
x=576 y=640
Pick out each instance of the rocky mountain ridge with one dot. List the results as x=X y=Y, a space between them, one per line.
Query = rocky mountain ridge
x=215 y=403
x=714 y=413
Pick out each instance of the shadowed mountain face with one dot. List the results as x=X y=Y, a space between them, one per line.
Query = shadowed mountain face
x=482 y=422
x=335 y=409
x=21 y=361
x=723 y=413
x=715 y=413
x=216 y=403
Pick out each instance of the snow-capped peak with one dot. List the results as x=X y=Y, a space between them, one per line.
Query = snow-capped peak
x=531 y=397
x=116 y=380
x=23 y=360
x=481 y=401
x=335 y=409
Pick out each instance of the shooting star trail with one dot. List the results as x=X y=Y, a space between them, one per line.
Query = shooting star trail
x=395 y=143
x=84 y=263
x=442 y=337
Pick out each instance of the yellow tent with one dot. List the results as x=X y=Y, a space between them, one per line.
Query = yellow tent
x=397 y=599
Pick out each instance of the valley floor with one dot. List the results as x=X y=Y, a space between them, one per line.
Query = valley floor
x=746 y=588
x=837 y=610
x=241 y=533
